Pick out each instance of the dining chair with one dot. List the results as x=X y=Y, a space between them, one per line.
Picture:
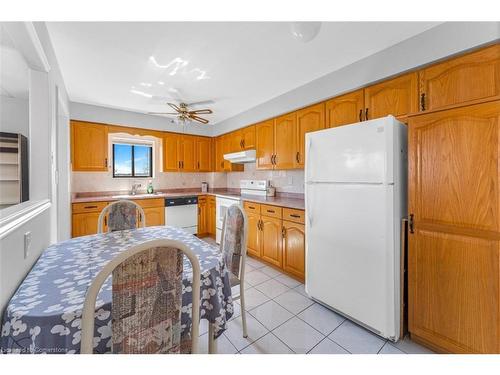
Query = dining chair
x=146 y=300
x=233 y=246
x=121 y=215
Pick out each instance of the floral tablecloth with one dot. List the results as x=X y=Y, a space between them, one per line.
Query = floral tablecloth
x=44 y=315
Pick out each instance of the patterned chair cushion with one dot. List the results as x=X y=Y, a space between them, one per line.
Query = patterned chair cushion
x=146 y=304
x=233 y=239
x=122 y=216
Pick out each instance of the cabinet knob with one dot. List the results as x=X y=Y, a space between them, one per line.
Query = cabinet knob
x=360 y=115
x=366 y=114
x=422 y=101
x=297 y=157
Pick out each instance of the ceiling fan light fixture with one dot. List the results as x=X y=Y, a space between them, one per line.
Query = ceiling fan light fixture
x=305 y=31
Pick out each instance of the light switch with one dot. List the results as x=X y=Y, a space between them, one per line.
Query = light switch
x=27 y=244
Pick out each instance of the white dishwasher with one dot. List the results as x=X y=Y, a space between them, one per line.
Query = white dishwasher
x=182 y=212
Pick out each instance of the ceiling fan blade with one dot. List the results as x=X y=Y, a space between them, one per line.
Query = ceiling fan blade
x=201 y=112
x=203 y=102
x=199 y=119
x=175 y=107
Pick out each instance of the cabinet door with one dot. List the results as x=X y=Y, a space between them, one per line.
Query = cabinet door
x=345 y=109
x=202 y=215
x=453 y=263
x=235 y=141
x=294 y=249
x=397 y=97
x=248 y=137
x=188 y=152
x=264 y=143
x=203 y=154
x=309 y=120
x=154 y=216
x=475 y=76
x=219 y=152
x=272 y=240
x=171 y=154
x=285 y=134
x=89 y=146
x=84 y=224
x=211 y=216
x=254 y=236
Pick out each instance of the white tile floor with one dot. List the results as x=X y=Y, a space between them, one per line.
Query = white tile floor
x=282 y=319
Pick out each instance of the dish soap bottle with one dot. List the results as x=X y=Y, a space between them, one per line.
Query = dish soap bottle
x=150 y=187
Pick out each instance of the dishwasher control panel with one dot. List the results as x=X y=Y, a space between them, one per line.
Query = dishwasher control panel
x=181 y=201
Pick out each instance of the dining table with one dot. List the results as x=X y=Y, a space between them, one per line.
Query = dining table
x=44 y=314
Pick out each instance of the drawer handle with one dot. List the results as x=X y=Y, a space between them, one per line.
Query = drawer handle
x=270 y=211
x=90 y=207
x=251 y=207
x=294 y=215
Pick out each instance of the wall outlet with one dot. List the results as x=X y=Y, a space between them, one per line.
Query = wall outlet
x=27 y=244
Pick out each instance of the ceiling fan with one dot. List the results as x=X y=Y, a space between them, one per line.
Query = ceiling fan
x=183 y=112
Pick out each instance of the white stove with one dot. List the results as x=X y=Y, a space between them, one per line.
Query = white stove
x=247 y=188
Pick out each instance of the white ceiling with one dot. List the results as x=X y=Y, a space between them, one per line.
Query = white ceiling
x=239 y=65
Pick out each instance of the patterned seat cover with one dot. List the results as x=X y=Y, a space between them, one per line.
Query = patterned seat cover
x=122 y=216
x=147 y=302
x=232 y=242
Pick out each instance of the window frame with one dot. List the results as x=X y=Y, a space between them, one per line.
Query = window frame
x=133 y=159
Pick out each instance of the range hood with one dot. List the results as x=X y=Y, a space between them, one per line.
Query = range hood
x=241 y=156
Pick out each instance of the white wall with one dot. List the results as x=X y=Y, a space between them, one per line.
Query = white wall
x=13 y=263
x=14 y=115
x=94 y=113
x=437 y=43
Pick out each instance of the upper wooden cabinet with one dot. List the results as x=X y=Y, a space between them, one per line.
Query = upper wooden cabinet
x=203 y=154
x=219 y=154
x=171 y=143
x=454 y=247
x=345 y=109
x=187 y=153
x=464 y=79
x=89 y=146
x=248 y=137
x=264 y=141
x=285 y=129
x=397 y=97
x=309 y=119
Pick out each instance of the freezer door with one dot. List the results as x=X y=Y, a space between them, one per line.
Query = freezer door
x=351 y=257
x=360 y=152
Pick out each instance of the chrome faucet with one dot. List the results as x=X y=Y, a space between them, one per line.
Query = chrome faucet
x=134 y=188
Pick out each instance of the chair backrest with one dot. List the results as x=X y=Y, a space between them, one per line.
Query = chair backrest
x=233 y=244
x=147 y=300
x=122 y=216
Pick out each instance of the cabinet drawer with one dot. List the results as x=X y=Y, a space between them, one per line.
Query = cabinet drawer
x=252 y=207
x=88 y=207
x=271 y=211
x=211 y=199
x=150 y=202
x=202 y=199
x=290 y=214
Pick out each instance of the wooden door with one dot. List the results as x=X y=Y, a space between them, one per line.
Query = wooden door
x=203 y=154
x=235 y=141
x=397 y=97
x=345 y=109
x=154 y=216
x=254 y=235
x=294 y=249
x=309 y=119
x=264 y=144
x=454 y=250
x=188 y=152
x=211 y=213
x=285 y=140
x=89 y=151
x=202 y=215
x=84 y=224
x=248 y=137
x=475 y=76
x=272 y=240
x=171 y=154
x=219 y=152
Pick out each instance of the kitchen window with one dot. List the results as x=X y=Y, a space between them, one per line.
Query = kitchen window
x=132 y=160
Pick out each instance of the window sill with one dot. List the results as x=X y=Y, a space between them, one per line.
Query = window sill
x=13 y=217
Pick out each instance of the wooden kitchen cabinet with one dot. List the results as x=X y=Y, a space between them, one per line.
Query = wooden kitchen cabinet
x=254 y=235
x=397 y=96
x=285 y=146
x=219 y=154
x=248 y=137
x=235 y=141
x=154 y=216
x=171 y=144
x=272 y=240
x=309 y=119
x=211 y=216
x=203 y=154
x=89 y=146
x=345 y=109
x=472 y=77
x=454 y=242
x=85 y=217
x=202 y=216
x=293 y=248
x=187 y=153
x=264 y=140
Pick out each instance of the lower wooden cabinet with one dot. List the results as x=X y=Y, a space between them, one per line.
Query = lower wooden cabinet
x=154 y=216
x=211 y=215
x=202 y=216
x=276 y=235
x=85 y=224
x=294 y=236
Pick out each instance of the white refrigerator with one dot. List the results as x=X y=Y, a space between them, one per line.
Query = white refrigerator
x=355 y=191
